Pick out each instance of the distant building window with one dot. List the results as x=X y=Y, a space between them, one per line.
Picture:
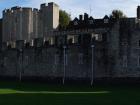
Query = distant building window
x=25 y=41
x=90 y=21
x=32 y=43
x=80 y=58
x=16 y=20
x=96 y=36
x=75 y=23
x=5 y=61
x=99 y=37
x=26 y=60
x=105 y=20
x=124 y=61
x=56 y=59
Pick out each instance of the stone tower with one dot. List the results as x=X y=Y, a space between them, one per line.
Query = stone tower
x=49 y=17
x=17 y=24
x=35 y=23
x=24 y=23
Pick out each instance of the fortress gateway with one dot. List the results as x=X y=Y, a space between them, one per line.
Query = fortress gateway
x=33 y=45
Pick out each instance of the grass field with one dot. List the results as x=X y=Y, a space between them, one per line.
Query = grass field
x=14 y=93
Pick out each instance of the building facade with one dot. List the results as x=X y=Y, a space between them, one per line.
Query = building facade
x=87 y=48
x=27 y=23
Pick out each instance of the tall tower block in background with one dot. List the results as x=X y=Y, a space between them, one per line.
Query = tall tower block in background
x=49 y=17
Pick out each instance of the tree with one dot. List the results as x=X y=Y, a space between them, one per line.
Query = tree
x=117 y=14
x=64 y=18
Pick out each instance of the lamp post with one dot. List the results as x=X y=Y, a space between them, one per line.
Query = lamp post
x=92 y=64
x=21 y=63
x=64 y=64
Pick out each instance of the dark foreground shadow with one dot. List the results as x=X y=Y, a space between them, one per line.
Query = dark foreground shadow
x=69 y=99
x=36 y=94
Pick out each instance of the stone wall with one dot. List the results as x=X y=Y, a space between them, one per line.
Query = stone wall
x=49 y=62
x=0 y=34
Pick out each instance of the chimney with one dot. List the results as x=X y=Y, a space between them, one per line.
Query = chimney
x=80 y=17
x=85 y=16
x=138 y=12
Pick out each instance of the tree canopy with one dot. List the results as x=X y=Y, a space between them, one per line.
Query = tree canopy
x=64 y=18
x=117 y=14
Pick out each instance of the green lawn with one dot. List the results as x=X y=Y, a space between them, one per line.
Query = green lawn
x=14 y=93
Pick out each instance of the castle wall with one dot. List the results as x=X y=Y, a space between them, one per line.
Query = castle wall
x=0 y=34
x=49 y=63
x=117 y=56
x=114 y=57
x=113 y=50
x=124 y=49
x=133 y=61
x=9 y=64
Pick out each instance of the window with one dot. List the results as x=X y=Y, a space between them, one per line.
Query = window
x=124 y=61
x=105 y=20
x=80 y=61
x=5 y=61
x=75 y=23
x=90 y=21
x=138 y=61
x=32 y=43
x=56 y=59
x=139 y=43
x=26 y=60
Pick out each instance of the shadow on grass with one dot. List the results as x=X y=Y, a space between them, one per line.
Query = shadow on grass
x=67 y=99
x=52 y=99
x=46 y=87
x=12 y=93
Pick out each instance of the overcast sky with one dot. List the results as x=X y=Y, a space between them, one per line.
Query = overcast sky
x=97 y=8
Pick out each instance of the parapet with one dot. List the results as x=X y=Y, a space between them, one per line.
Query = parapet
x=15 y=8
x=35 y=10
x=27 y=8
x=52 y=4
x=49 y=5
x=6 y=10
x=43 y=5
